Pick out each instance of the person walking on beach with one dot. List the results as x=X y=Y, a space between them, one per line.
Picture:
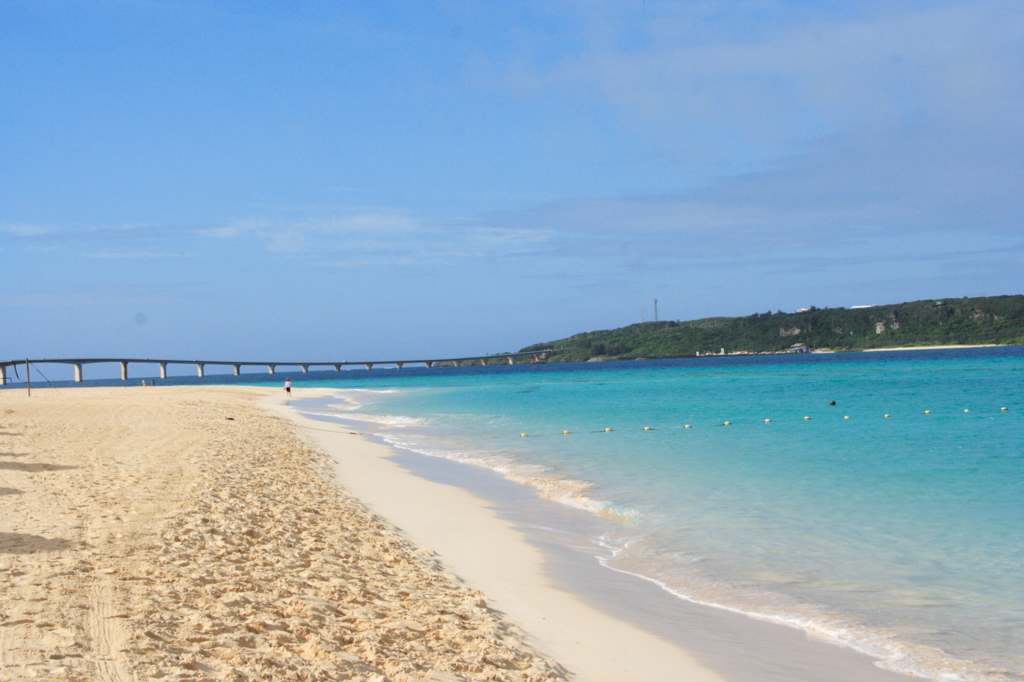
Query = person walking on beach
x=288 y=386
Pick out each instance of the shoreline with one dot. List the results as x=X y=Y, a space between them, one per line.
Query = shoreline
x=492 y=555
x=977 y=345
x=739 y=646
x=189 y=532
x=735 y=645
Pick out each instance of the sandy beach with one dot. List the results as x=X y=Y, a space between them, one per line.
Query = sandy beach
x=979 y=345
x=186 y=533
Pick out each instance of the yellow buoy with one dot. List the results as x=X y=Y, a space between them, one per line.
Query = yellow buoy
x=846 y=417
x=728 y=424
x=647 y=428
x=686 y=426
x=927 y=411
x=565 y=432
x=767 y=420
x=522 y=435
x=886 y=416
x=607 y=430
x=1003 y=409
x=806 y=417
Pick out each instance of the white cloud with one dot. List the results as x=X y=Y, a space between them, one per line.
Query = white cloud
x=236 y=228
x=25 y=230
x=870 y=65
x=898 y=124
x=137 y=254
x=377 y=222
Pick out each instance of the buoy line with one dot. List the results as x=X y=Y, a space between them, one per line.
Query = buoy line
x=689 y=426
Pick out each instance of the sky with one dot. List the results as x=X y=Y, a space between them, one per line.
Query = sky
x=375 y=180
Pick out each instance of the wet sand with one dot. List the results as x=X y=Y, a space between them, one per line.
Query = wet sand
x=491 y=554
x=587 y=598
x=734 y=645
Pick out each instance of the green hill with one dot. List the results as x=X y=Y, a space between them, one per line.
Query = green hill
x=992 y=319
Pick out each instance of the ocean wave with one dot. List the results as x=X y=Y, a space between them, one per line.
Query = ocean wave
x=550 y=486
x=397 y=421
x=350 y=391
x=358 y=397
x=392 y=420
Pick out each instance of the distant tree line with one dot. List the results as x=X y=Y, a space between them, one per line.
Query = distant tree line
x=991 y=319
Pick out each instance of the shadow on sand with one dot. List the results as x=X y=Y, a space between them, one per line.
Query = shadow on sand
x=26 y=543
x=34 y=467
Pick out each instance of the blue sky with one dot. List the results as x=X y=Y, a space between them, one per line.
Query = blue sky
x=380 y=179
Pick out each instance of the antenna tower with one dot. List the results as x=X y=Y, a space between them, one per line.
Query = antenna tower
x=655 y=310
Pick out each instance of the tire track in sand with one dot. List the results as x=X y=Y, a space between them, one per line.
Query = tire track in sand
x=109 y=636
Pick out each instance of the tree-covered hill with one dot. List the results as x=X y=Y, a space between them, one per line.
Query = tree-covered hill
x=992 y=319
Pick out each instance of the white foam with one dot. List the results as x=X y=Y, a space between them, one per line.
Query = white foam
x=567 y=491
x=892 y=653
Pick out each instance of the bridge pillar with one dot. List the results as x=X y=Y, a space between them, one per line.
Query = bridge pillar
x=78 y=372
x=398 y=365
x=337 y=368
x=429 y=364
x=305 y=368
x=238 y=370
x=3 y=375
x=369 y=366
x=163 y=370
x=124 y=371
x=199 y=370
x=270 y=368
x=483 y=361
x=536 y=357
x=510 y=360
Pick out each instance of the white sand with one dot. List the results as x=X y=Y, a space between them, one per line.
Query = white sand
x=490 y=555
x=979 y=345
x=183 y=533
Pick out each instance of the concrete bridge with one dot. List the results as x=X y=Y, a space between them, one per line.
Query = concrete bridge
x=7 y=366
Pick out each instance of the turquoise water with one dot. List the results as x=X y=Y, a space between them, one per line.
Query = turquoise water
x=902 y=536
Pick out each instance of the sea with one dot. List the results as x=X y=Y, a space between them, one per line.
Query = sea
x=872 y=499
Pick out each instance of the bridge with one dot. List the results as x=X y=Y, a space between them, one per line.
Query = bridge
x=505 y=358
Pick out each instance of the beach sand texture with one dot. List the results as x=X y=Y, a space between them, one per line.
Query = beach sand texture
x=184 y=533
